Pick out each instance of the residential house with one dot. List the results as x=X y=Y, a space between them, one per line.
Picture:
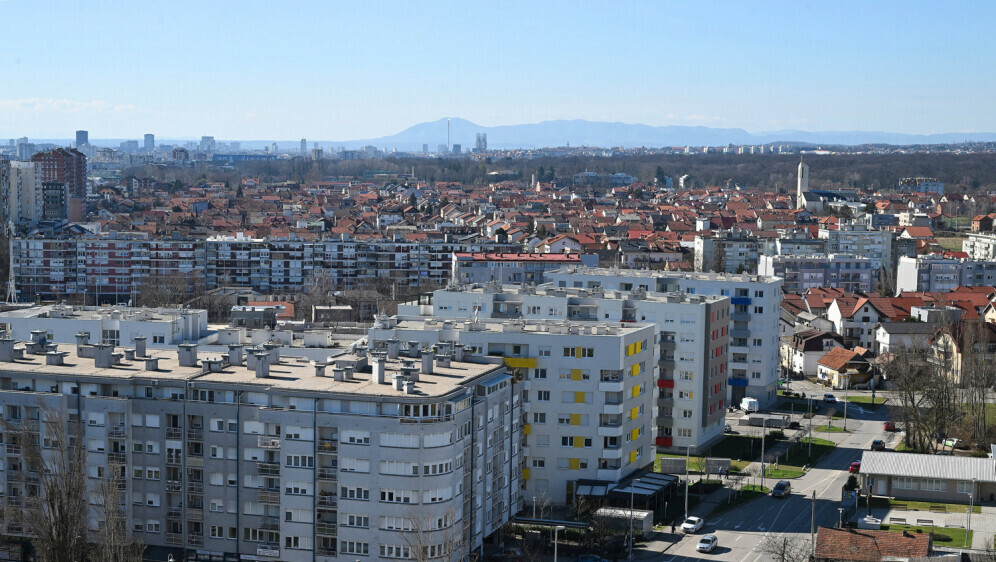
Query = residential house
x=862 y=545
x=841 y=367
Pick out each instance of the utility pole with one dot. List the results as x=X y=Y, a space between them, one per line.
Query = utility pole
x=631 y=491
x=812 y=414
x=812 y=526
x=688 y=450
x=847 y=383
x=763 y=432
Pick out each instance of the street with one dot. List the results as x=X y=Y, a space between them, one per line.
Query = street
x=742 y=529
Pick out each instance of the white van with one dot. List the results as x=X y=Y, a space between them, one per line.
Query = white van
x=750 y=405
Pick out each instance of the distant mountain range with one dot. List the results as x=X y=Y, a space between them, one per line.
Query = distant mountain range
x=579 y=132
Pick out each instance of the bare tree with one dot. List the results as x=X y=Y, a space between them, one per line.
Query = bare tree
x=169 y=289
x=781 y=548
x=431 y=537
x=113 y=541
x=53 y=510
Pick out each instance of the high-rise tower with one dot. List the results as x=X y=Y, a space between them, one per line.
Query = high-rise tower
x=82 y=138
x=802 y=185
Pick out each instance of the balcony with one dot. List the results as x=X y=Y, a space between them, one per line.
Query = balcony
x=269 y=442
x=116 y=432
x=195 y=434
x=325 y=529
x=663 y=441
x=195 y=540
x=611 y=386
x=610 y=430
x=195 y=461
x=328 y=501
x=268 y=468
x=610 y=474
x=174 y=485
x=175 y=539
x=13 y=449
x=613 y=409
x=270 y=524
x=328 y=446
x=195 y=514
x=665 y=402
x=612 y=453
x=174 y=513
x=195 y=487
x=740 y=316
x=327 y=473
x=269 y=497
x=270 y=550
x=664 y=420
x=117 y=457
x=175 y=433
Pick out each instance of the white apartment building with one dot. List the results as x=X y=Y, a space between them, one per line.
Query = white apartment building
x=21 y=191
x=118 y=326
x=264 y=458
x=856 y=239
x=755 y=304
x=691 y=378
x=726 y=251
x=937 y=273
x=801 y=273
x=980 y=246
x=589 y=404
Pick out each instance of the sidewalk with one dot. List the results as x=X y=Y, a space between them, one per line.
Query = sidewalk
x=983 y=524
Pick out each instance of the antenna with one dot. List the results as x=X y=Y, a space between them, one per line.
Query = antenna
x=11 y=289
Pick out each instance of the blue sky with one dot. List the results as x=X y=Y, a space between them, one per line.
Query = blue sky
x=330 y=70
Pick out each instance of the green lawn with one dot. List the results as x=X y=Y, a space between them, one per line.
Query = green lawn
x=747 y=493
x=697 y=464
x=830 y=429
x=799 y=454
x=952 y=243
x=783 y=472
x=947 y=536
x=866 y=402
x=889 y=503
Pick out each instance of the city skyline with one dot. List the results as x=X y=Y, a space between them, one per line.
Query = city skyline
x=346 y=71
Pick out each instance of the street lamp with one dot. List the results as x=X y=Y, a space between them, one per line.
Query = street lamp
x=971 y=506
x=556 y=530
x=847 y=383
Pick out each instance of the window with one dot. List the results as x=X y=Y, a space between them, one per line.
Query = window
x=686 y=414
x=758 y=310
x=217 y=506
x=964 y=487
x=686 y=375
x=356 y=437
x=758 y=294
x=396 y=496
x=354 y=547
x=152 y=526
x=539 y=463
x=354 y=493
x=152 y=473
x=395 y=523
x=302 y=461
x=684 y=432
x=684 y=395
x=579 y=352
x=543 y=395
x=395 y=551
x=933 y=485
x=543 y=351
x=399 y=468
x=904 y=483
x=158 y=339
x=539 y=417
x=217 y=532
x=758 y=342
x=568 y=441
x=539 y=373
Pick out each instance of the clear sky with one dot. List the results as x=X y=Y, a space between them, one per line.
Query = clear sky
x=330 y=70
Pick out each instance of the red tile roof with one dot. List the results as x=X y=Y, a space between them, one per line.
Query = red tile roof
x=870 y=546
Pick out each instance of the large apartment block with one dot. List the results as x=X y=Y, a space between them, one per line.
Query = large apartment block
x=941 y=274
x=589 y=401
x=501 y=267
x=801 y=273
x=693 y=335
x=755 y=302
x=111 y=269
x=253 y=456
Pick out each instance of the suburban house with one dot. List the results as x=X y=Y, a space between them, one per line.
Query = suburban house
x=840 y=367
x=893 y=336
x=833 y=545
x=802 y=350
x=916 y=477
x=949 y=346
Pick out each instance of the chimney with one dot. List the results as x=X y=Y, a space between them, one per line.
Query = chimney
x=409 y=387
x=212 y=365
x=443 y=360
x=393 y=348
x=427 y=363
x=187 y=354
x=102 y=358
x=38 y=336
x=129 y=354
x=6 y=349
x=54 y=358
x=262 y=364
x=320 y=368
x=458 y=352
x=151 y=364
x=82 y=340
x=379 y=368
x=251 y=358
x=273 y=349
x=234 y=354
x=140 y=346
x=412 y=349
x=338 y=374
x=397 y=381
x=347 y=373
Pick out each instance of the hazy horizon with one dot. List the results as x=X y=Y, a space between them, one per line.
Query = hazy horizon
x=348 y=70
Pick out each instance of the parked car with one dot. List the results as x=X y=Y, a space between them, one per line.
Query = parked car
x=878 y=445
x=707 y=543
x=782 y=489
x=727 y=428
x=855 y=467
x=829 y=398
x=952 y=442
x=889 y=426
x=692 y=524
x=750 y=405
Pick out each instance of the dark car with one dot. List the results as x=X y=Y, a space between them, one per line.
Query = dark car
x=782 y=489
x=878 y=445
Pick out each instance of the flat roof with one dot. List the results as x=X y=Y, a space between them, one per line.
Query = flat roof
x=99 y=312
x=551 y=290
x=501 y=256
x=291 y=374
x=497 y=325
x=658 y=274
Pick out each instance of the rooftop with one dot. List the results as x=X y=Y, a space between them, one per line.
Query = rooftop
x=99 y=313
x=502 y=256
x=657 y=274
x=928 y=466
x=550 y=290
x=870 y=546
x=535 y=326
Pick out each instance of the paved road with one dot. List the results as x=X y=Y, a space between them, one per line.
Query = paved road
x=741 y=530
